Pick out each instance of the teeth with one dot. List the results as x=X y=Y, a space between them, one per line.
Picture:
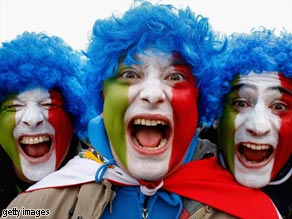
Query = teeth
x=148 y=122
x=162 y=143
x=252 y=162
x=34 y=140
x=257 y=147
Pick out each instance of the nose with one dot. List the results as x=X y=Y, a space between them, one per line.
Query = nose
x=258 y=121
x=32 y=116
x=152 y=92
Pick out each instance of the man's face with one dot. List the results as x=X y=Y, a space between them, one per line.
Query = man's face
x=255 y=126
x=35 y=132
x=150 y=114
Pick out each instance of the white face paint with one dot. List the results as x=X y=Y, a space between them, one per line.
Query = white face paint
x=33 y=131
x=150 y=114
x=257 y=126
x=35 y=172
x=150 y=99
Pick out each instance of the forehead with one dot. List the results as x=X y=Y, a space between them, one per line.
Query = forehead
x=265 y=82
x=265 y=79
x=34 y=93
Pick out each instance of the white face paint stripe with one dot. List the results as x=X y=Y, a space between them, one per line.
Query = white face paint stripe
x=158 y=91
x=35 y=172
x=257 y=124
x=259 y=115
x=151 y=89
x=152 y=86
x=29 y=113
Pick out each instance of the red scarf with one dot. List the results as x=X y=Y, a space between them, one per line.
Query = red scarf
x=207 y=182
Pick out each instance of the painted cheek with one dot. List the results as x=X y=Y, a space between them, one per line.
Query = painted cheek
x=62 y=124
x=7 y=141
x=226 y=135
x=283 y=151
x=185 y=115
x=116 y=102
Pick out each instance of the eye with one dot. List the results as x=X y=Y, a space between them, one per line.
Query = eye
x=129 y=75
x=12 y=107
x=178 y=73
x=46 y=106
x=176 y=77
x=240 y=104
x=50 y=106
x=279 y=107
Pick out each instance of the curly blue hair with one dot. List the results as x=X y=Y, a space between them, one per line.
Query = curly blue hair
x=260 y=50
x=38 y=60
x=166 y=29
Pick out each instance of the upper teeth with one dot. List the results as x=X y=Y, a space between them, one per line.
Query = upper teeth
x=257 y=147
x=34 y=140
x=148 y=122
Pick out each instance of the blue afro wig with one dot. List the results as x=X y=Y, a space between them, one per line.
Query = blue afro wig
x=38 y=60
x=163 y=28
x=257 y=51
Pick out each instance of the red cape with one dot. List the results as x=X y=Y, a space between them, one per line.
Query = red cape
x=207 y=182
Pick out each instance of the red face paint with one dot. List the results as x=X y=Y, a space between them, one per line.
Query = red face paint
x=284 y=149
x=185 y=113
x=62 y=124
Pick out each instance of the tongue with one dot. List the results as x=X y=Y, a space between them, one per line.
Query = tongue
x=148 y=136
x=255 y=155
x=36 y=150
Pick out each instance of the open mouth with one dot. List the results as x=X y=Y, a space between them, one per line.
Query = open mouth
x=150 y=134
x=255 y=153
x=36 y=146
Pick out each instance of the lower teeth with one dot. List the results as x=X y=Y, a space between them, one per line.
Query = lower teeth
x=162 y=143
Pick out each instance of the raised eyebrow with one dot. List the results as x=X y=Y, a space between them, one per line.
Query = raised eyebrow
x=282 y=90
x=240 y=86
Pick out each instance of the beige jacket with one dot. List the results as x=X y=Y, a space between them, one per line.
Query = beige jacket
x=88 y=201
x=79 y=202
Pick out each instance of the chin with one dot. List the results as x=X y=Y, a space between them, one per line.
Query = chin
x=35 y=172
x=253 y=177
x=150 y=171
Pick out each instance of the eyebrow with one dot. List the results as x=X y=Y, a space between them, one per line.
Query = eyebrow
x=279 y=88
x=239 y=86
x=283 y=90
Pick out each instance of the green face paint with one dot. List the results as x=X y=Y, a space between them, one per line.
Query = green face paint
x=7 y=125
x=116 y=102
x=226 y=129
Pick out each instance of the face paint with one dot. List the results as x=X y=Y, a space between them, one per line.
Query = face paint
x=38 y=138
x=115 y=104
x=62 y=124
x=185 y=114
x=255 y=124
x=284 y=150
x=150 y=115
x=7 y=124
x=226 y=128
